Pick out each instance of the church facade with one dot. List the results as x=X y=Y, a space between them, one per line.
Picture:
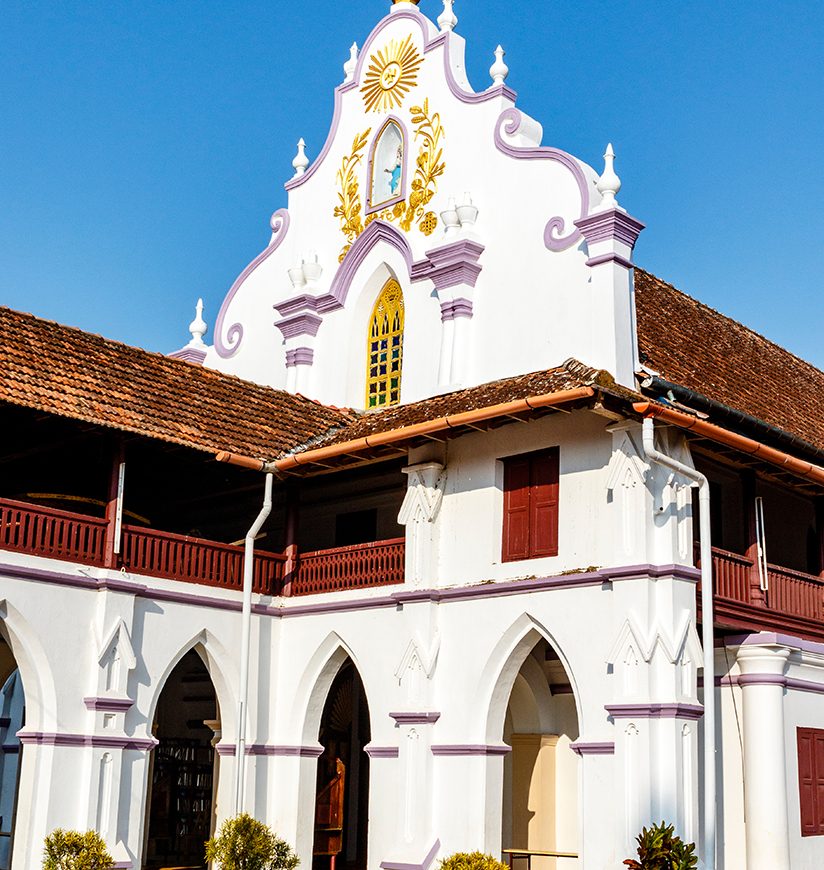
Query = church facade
x=504 y=507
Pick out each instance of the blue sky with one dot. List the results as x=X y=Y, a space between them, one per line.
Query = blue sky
x=143 y=146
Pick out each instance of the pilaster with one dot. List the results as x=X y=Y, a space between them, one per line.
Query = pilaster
x=763 y=682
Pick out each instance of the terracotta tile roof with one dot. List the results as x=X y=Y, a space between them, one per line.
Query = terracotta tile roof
x=64 y=371
x=694 y=346
x=569 y=376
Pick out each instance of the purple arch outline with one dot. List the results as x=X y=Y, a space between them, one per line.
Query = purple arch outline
x=377 y=231
x=428 y=45
x=373 y=149
x=510 y=120
x=279 y=223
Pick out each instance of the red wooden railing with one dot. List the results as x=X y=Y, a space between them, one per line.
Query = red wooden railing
x=790 y=594
x=194 y=560
x=355 y=567
x=55 y=534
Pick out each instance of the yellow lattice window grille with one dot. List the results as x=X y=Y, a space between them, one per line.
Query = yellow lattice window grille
x=384 y=357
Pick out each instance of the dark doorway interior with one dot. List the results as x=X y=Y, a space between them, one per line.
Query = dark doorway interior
x=12 y=719
x=183 y=768
x=342 y=807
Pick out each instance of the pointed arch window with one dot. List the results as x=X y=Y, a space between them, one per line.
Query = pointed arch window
x=384 y=358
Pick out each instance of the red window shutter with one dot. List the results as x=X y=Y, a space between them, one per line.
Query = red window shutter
x=807 y=782
x=516 y=509
x=544 y=504
x=818 y=767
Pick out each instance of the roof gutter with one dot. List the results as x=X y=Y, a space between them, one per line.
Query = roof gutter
x=730 y=439
x=701 y=403
x=404 y=433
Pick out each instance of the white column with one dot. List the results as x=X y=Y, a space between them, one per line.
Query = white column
x=765 y=770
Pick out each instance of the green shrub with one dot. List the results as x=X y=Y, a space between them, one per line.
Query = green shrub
x=472 y=861
x=660 y=849
x=71 y=850
x=244 y=843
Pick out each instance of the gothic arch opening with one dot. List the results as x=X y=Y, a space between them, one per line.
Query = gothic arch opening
x=12 y=719
x=184 y=767
x=384 y=350
x=342 y=794
x=540 y=781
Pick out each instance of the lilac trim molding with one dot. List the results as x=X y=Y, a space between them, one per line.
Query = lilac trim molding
x=582 y=749
x=381 y=751
x=655 y=711
x=300 y=356
x=306 y=323
x=765 y=638
x=610 y=258
x=415 y=718
x=370 y=208
x=450 y=265
x=608 y=225
x=109 y=705
x=601 y=577
x=456 y=308
x=234 y=335
x=258 y=749
x=424 y=865
x=97 y=741
x=450 y=749
x=510 y=121
x=429 y=43
x=189 y=355
x=378 y=231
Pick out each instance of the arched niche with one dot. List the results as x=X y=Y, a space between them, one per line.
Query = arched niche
x=181 y=805
x=342 y=791
x=12 y=719
x=387 y=166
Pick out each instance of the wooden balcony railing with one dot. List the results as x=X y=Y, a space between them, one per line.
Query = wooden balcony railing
x=194 y=560
x=72 y=537
x=355 y=567
x=793 y=601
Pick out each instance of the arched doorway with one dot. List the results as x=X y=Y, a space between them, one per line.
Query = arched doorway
x=342 y=796
x=183 y=769
x=540 y=795
x=12 y=719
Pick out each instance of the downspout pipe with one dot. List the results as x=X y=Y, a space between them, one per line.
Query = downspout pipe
x=708 y=638
x=245 y=643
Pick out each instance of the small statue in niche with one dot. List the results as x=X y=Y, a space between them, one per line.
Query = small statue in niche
x=395 y=173
x=387 y=166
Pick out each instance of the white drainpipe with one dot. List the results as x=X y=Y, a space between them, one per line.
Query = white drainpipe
x=245 y=643
x=708 y=638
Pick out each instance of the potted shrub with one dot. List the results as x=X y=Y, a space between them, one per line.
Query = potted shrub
x=71 y=850
x=244 y=843
x=660 y=849
x=472 y=861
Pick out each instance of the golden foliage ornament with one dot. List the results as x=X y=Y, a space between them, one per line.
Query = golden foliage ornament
x=392 y=73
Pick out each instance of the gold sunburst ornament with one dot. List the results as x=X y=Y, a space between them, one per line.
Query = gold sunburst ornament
x=392 y=73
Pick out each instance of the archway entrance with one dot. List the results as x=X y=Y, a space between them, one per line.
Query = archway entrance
x=181 y=796
x=342 y=797
x=12 y=719
x=540 y=805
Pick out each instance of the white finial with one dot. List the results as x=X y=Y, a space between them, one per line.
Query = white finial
x=198 y=326
x=352 y=64
x=301 y=161
x=609 y=183
x=447 y=20
x=499 y=70
x=468 y=212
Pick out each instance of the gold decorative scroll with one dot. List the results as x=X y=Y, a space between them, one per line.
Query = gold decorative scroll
x=429 y=167
x=391 y=74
